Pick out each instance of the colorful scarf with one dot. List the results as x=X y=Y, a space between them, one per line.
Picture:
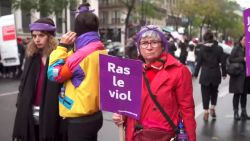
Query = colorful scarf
x=86 y=38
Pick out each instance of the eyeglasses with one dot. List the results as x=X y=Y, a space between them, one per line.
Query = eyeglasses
x=154 y=44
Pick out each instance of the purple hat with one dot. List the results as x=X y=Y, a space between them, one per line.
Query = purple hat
x=155 y=29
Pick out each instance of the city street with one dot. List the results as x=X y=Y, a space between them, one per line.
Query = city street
x=222 y=129
x=190 y=30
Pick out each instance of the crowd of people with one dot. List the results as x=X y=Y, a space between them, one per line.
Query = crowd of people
x=207 y=59
x=59 y=82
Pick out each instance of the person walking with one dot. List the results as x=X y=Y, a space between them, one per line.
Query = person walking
x=210 y=60
x=239 y=84
x=78 y=69
x=171 y=84
x=191 y=58
x=21 y=53
x=37 y=104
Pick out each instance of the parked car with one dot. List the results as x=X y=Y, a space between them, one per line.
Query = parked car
x=115 y=48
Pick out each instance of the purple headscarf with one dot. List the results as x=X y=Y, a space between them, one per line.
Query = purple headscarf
x=155 y=29
x=83 y=9
x=42 y=27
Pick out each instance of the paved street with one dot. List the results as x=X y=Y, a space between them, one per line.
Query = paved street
x=223 y=129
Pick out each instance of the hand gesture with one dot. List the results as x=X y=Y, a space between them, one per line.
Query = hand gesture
x=68 y=38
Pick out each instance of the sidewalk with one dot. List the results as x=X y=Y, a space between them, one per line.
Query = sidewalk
x=224 y=128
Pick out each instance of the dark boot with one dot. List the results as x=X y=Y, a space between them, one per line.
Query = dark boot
x=244 y=115
x=236 y=115
x=212 y=113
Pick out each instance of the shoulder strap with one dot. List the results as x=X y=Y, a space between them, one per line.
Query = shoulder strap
x=159 y=106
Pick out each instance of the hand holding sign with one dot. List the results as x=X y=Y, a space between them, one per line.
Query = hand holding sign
x=118 y=119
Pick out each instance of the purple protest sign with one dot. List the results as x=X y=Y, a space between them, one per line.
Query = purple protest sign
x=120 y=85
x=247 y=38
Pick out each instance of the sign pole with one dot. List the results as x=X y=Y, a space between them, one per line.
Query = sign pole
x=121 y=133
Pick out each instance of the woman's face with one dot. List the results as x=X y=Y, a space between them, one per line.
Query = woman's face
x=40 y=39
x=150 y=49
x=243 y=41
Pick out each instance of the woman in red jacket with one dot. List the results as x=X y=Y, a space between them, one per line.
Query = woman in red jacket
x=171 y=84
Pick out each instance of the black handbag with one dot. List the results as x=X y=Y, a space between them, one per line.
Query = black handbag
x=234 y=68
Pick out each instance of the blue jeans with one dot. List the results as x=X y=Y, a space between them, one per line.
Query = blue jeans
x=191 y=66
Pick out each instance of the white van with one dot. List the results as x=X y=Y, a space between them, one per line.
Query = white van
x=8 y=41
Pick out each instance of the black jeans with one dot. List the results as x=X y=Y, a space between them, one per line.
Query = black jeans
x=209 y=92
x=85 y=128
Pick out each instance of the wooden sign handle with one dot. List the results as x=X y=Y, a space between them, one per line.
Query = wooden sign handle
x=121 y=133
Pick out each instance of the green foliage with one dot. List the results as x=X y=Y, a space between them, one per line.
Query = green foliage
x=140 y=9
x=219 y=15
x=25 y=5
x=151 y=9
x=46 y=7
x=146 y=8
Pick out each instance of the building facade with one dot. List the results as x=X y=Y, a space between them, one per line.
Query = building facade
x=112 y=15
x=64 y=21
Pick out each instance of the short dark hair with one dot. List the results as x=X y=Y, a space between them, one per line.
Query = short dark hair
x=86 y=21
x=239 y=41
x=208 y=36
x=45 y=20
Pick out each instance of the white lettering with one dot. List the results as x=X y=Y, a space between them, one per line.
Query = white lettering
x=112 y=94
x=127 y=71
x=114 y=80
x=119 y=83
x=116 y=94
x=111 y=67
x=118 y=69
x=129 y=96
x=121 y=96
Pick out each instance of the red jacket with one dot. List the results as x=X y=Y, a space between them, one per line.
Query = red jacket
x=172 y=86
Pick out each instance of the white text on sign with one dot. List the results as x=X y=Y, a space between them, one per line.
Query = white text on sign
x=118 y=69
x=116 y=94
x=122 y=96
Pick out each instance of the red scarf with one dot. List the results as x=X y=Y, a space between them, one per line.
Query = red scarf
x=153 y=68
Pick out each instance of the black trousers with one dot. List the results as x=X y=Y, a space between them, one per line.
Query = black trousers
x=209 y=93
x=242 y=98
x=84 y=128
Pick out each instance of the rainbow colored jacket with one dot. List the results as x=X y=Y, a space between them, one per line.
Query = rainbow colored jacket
x=79 y=72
